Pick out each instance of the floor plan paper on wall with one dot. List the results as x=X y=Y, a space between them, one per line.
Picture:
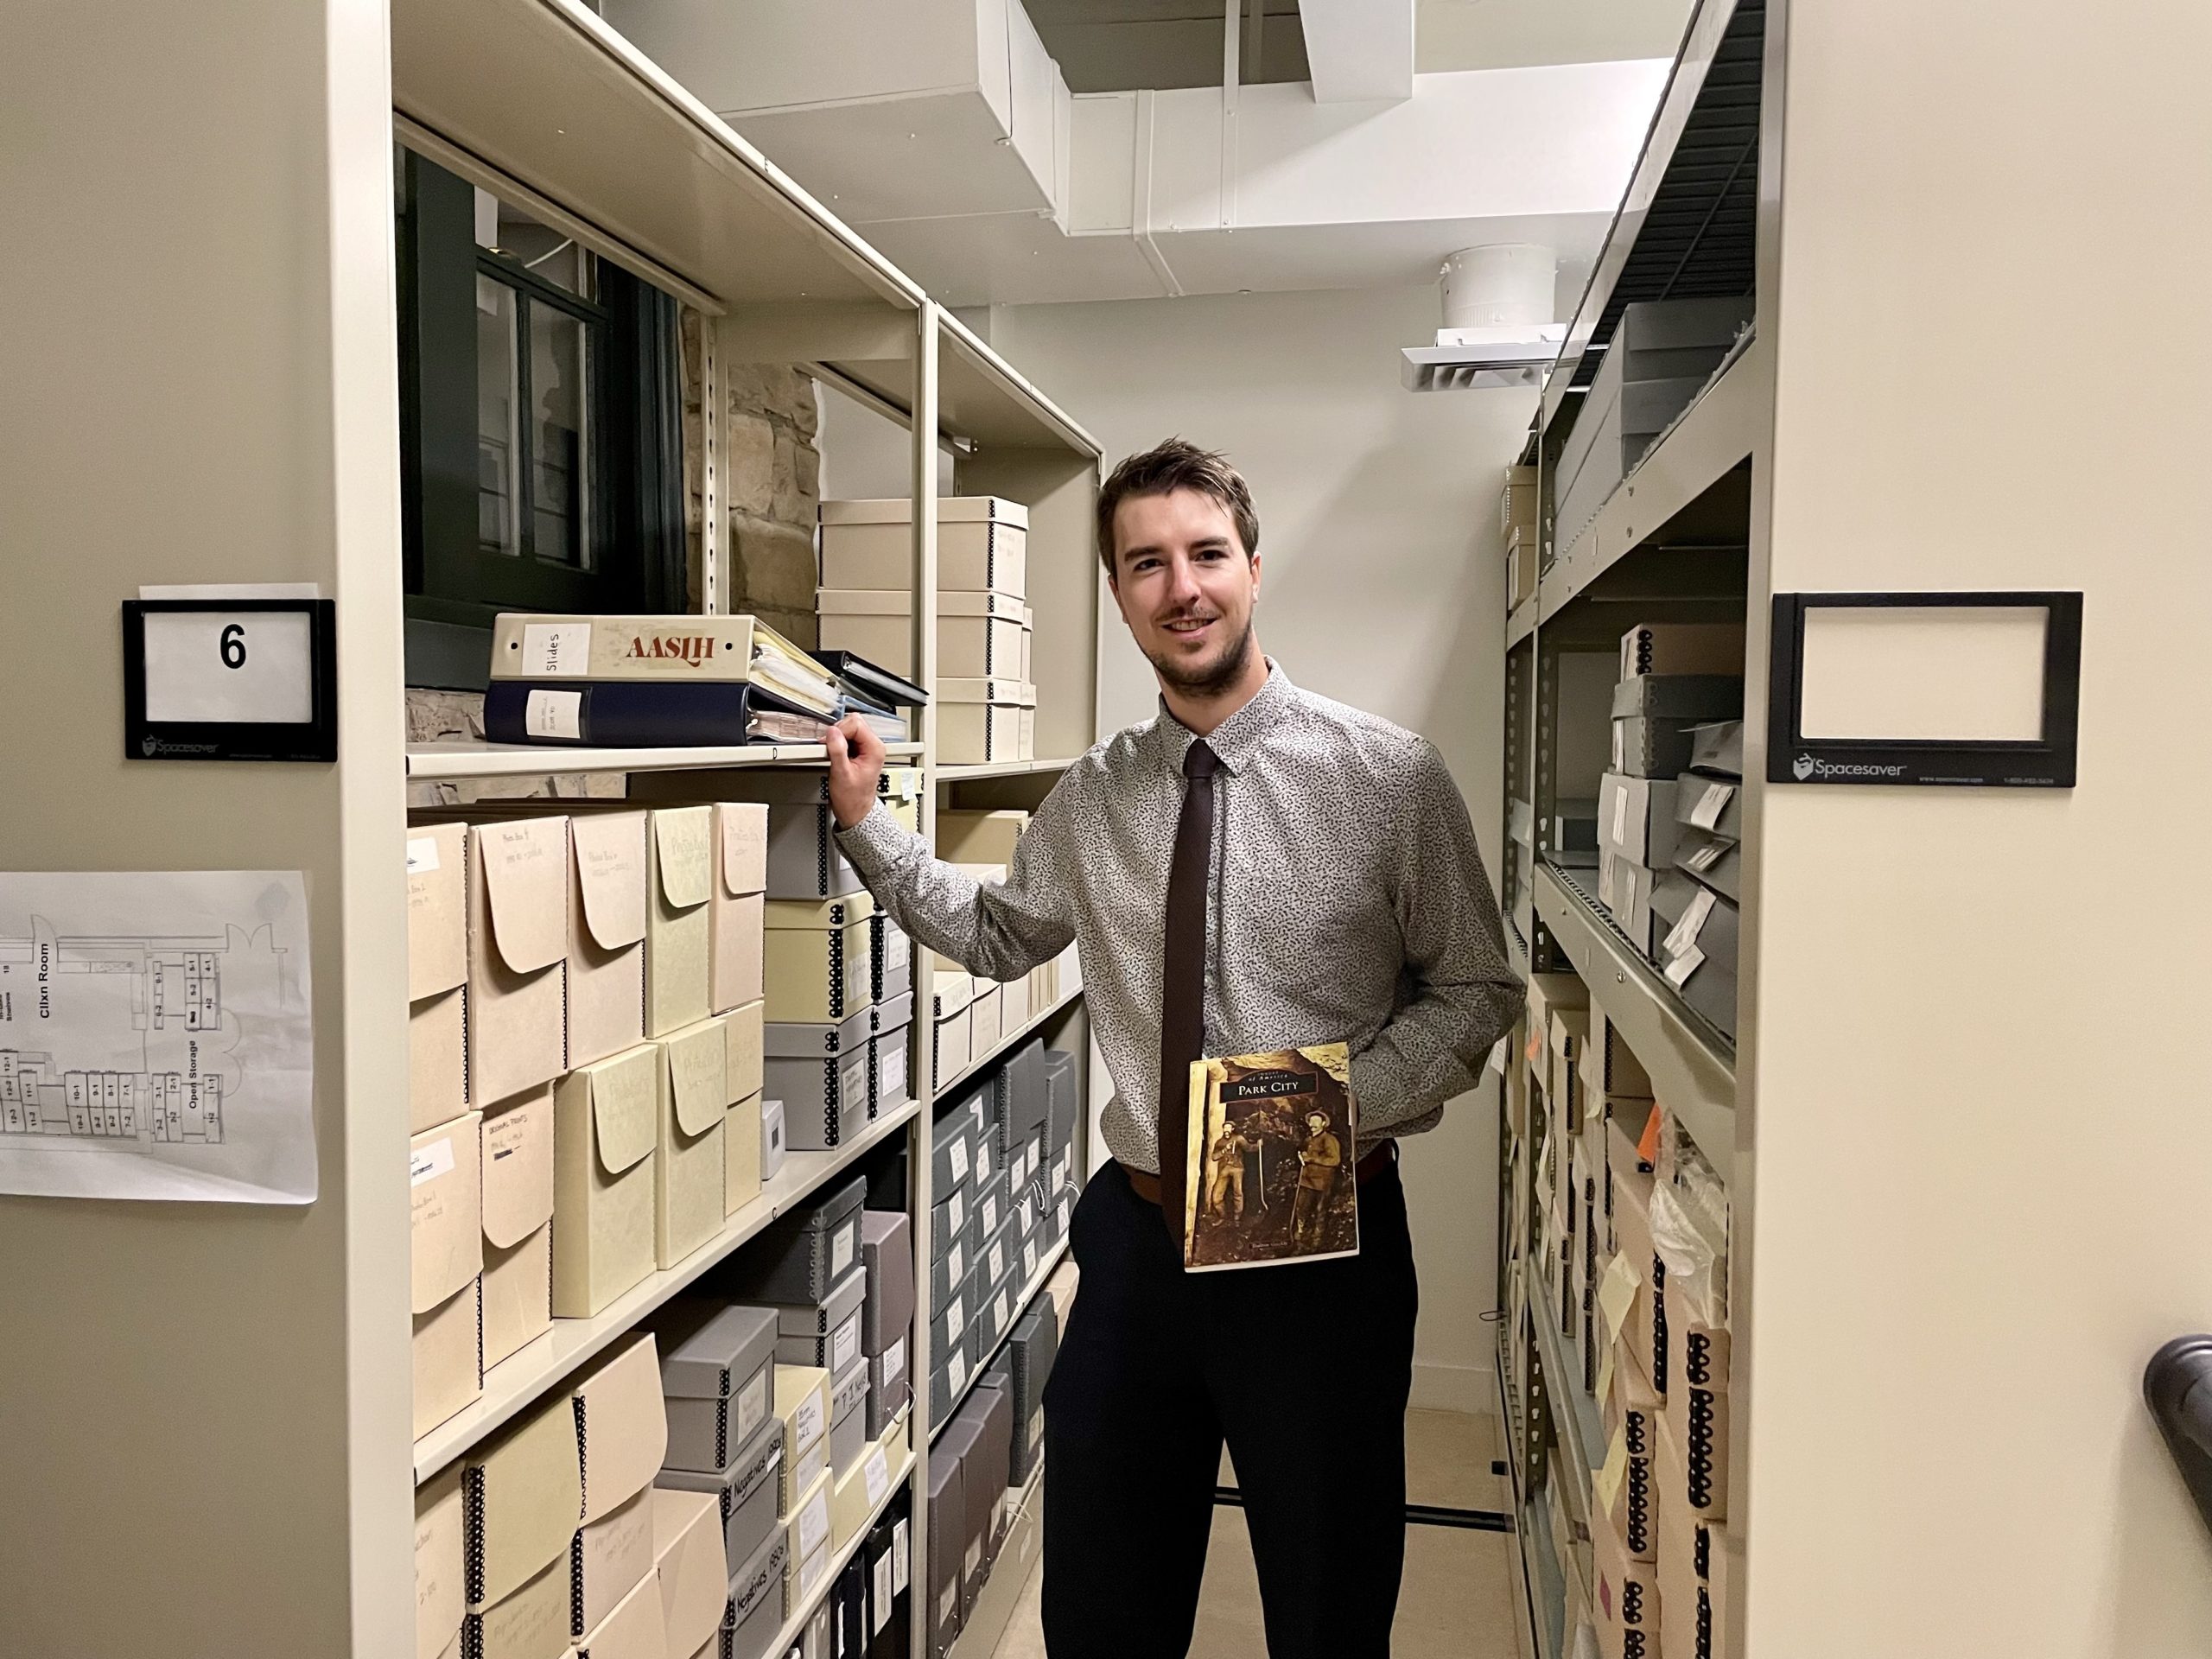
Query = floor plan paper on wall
x=156 y=1037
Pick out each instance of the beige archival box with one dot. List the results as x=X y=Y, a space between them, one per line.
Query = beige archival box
x=531 y=1623
x=610 y=1558
x=605 y=1132
x=518 y=1223
x=740 y=835
x=679 y=932
x=690 y=1176
x=446 y=1250
x=441 y=1597
x=817 y=956
x=437 y=973
x=635 y=1629
x=741 y=1154
x=524 y=1497
x=693 y=1570
x=621 y=1426
x=607 y=935
x=518 y=951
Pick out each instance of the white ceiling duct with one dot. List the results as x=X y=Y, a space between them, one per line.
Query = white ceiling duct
x=1498 y=332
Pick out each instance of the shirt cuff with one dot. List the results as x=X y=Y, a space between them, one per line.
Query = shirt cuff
x=873 y=843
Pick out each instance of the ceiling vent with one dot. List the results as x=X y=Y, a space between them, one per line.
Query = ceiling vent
x=1497 y=331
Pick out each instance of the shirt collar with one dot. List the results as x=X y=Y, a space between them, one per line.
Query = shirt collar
x=1236 y=739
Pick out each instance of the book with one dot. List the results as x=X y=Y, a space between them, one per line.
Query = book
x=879 y=686
x=540 y=646
x=634 y=715
x=1271 y=1154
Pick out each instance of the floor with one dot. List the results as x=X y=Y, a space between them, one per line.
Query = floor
x=1456 y=1599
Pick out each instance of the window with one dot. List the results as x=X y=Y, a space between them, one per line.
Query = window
x=541 y=421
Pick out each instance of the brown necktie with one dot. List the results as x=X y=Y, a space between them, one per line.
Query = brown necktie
x=1183 y=980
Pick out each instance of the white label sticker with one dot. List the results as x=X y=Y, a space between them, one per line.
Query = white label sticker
x=893 y=1072
x=1028 y=1261
x=432 y=1161
x=1620 y=747
x=955 y=1320
x=897 y=949
x=813 y=1570
x=879 y=1601
x=898 y=1556
x=1000 y=1310
x=1059 y=1173
x=806 y=1421
x=814 y=1524
x=1064 y=1210
x=1680 y=969
x=960 y=1161
x=1707 y=855
x=1711 y=804
x=752 y=1403
x=982 y=1162
x=996 y=1263
x=957 y=1210
x=956 y=1265
x=845 y=1343
x=1620 y=816
x=956 y=1368
x=895 y=1361
x=251 y=667
x=991 y=1215
x=554 y=713
x=877 y=1472
x=1684 y=932
x=841 y=1251
x=422 y=855
x=556 y=650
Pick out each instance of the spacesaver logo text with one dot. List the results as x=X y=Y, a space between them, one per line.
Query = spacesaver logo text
x=1808 y=768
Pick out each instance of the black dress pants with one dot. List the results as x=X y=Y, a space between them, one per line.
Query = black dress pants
x=1303 y=1369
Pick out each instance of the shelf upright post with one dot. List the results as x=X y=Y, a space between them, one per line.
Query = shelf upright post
x=922 y=432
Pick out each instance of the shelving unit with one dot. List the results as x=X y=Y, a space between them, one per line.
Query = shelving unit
x=447 y=761
x=1671 y=543
x=1006 y=1045
x=1029 y=1290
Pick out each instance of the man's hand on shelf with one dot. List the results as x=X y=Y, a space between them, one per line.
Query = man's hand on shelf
x=855 y=768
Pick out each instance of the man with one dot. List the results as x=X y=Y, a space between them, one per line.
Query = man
x=1254 y=868
x=1230 y=1147
x=1319 y=1160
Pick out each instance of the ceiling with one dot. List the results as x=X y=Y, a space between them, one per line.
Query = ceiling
x=1119 y=46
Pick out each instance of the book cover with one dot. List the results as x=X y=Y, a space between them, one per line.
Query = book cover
x=1271 y=1155
x=618 y=713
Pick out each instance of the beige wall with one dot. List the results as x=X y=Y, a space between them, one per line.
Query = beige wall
x=204 y=1407
x=1984 y=1137
x=1384 y=587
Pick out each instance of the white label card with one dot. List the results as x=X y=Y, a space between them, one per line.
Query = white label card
x=877 y=1472
x=814 y=1525
x=752 y=1404
x=959 y=1163
x=996 y=1261
x=841 y=1251
x=844 y=1344
x=554 y=713
x=999 y=1312
x=1707 y=855
x=982 y=1163
x=900 y=1556
x=555 y=650
x=1620 y=816
x=1028 y=1261
x=955 y=1320
x=1680 y=969
x=422 y=855
x=893 y=1073
x=958 y=1368
x=895 y=1361
x=879 y=1602
x=251 y=667
x=958 y=1210
x=432 y=1161
x=990 y=1216
x=955 y=1268
x=1711 y=804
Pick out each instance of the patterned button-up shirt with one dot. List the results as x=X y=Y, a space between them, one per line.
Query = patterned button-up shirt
x=1346 y=903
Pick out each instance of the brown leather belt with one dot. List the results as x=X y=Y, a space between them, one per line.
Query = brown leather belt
x=1146 y=1185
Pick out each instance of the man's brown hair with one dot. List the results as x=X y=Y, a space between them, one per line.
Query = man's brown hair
x=1167 y=467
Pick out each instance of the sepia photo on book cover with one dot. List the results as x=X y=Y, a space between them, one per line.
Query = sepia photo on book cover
x=1270 y=1159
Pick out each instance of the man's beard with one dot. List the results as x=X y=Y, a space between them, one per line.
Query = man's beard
x=1208 y=682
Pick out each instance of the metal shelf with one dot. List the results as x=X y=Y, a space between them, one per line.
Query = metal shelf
x=1692 y=1068
x=1522 y=622
x=1007 y=1044
x=1574 y=1414
x=998 y=769
x=519 y=1381
x=1714 y=436
x=464 y=759
x=1045 y=1266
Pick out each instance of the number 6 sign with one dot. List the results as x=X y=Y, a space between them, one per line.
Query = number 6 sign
x=229 y=679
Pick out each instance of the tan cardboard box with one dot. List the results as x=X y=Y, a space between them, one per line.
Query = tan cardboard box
x=802 y=1407
x=445 y=1208
x=740 y=903
x=807 y=1529
x=621 y=1426
x=978 y=720
x=978 y=633
x=816 y=958
x=1610 y=1067
x=745 y=1051
x=984 y=1021
x=441 y=1599
x=448 y=1357
x=854 y=1494
x=635 y=1628
x=1014 y=1005
x=679 y=935
x=1632 y=1415
x=1566 y=1036
x=605 y=1120
x=531 y=1622
x=741 y=1154
x=518 y=1223
x=517 y=955
x=1685 y=1613
x=982 y=544
x=953 y=991
x=606 y=934
x=522 y=1496
x=437 y=973
x=1645 y=1330
x=1625 y=1595
x=693 y=1573
x=1697 y=1408
x=612 y=1557
x=690 y=1174
x=979 y=838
